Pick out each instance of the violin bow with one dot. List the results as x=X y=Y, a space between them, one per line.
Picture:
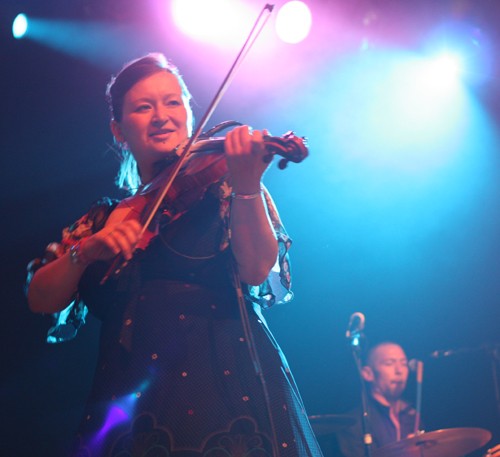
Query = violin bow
x=118 y=264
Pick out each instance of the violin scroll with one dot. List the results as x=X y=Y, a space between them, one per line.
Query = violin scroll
x=289 y=146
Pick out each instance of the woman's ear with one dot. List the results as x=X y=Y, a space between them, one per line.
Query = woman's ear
x=367 y=374
x=117 y=131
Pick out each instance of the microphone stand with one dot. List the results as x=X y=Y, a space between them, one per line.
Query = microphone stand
x=420 y=375
x=356 y=338
x=495 y=364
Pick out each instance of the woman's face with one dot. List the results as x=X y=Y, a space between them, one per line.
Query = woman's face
x=154 y=120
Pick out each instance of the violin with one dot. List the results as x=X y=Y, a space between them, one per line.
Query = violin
x=204 y=166
x=207 y=163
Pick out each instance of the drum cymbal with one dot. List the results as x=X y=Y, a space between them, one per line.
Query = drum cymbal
x=452 y=442
x=330 y=423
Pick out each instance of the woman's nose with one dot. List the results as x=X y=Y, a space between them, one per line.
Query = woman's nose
x=159 y=118
x=158 y=123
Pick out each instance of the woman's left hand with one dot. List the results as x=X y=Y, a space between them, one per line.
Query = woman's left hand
x=245 y=152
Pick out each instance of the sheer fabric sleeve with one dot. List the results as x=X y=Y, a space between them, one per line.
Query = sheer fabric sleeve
x=67 y=322
x=276 y=289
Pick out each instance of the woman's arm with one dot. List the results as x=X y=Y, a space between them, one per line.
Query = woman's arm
x=253 y=240
x=54 y=285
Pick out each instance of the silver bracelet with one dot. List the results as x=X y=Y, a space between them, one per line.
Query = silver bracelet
x=75 y=254
x=236 y=196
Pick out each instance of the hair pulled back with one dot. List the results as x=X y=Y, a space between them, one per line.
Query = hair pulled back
x=132 y=72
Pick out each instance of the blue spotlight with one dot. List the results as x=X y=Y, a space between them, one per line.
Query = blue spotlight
x=439 y=73
x=470 y=47
x=445 y=66
x=20 y=26
x=411 y=111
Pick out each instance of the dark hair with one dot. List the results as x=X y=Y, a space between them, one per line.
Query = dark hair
x=132 y=72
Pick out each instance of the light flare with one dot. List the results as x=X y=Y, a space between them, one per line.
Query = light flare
x=293 y=22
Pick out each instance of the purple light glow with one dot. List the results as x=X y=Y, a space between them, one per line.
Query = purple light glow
x=220 y=22
x=117 y=414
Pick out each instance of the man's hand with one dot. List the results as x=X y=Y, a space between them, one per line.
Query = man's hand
x=493 y=452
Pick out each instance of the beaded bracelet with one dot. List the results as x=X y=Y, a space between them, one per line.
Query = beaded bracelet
x=75 y=254
x=236 y=196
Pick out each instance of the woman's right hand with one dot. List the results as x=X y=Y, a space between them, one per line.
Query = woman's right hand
x=120 y=238
x=54 y=285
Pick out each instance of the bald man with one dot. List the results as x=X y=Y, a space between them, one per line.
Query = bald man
x=390 y=417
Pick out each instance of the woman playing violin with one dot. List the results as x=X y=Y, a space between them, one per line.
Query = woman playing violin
x=187 y=365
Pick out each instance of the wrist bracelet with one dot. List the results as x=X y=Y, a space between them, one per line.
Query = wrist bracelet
x=236 y=196
x=75 y=254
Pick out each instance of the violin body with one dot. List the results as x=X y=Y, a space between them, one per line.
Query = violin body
x=187 y=189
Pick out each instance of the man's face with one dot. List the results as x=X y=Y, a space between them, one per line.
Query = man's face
x=389 y=366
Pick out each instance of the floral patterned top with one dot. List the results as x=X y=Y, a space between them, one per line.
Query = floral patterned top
x=275 y=290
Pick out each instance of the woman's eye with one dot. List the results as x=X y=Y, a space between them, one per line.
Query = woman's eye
x=174 y=102
x=142 y=108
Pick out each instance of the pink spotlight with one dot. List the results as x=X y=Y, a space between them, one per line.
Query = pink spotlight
x=220 y=22
x=293 y=22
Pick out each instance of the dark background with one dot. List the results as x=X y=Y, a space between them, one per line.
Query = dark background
x=424 y=275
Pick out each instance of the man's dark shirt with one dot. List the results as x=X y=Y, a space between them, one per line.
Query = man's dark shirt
x=383 y=431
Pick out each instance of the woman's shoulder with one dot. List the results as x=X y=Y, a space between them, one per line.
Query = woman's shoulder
x=100 y=210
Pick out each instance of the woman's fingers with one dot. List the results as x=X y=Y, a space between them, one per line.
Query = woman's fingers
x=244 y=140
x=245 y=151
x=111 y=241
x=238 y=140
x=125 y=237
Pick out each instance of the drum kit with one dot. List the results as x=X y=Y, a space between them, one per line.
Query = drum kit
x=452 y=442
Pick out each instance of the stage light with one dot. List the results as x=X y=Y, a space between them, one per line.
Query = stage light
x=411 y=110
x=461 y=49
x=20 y=26
x=218 y=21
x=293 y=22
x=442 y=70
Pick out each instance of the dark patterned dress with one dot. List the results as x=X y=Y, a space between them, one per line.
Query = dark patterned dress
x=177 y=374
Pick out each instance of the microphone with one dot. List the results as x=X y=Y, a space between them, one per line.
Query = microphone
x=355 y=327
x=453 y=352
x=488 y=348
x=442 y=353
x=413 y=364
x=417 y=366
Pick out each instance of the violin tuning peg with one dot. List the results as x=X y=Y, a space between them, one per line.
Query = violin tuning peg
x=282 y=164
